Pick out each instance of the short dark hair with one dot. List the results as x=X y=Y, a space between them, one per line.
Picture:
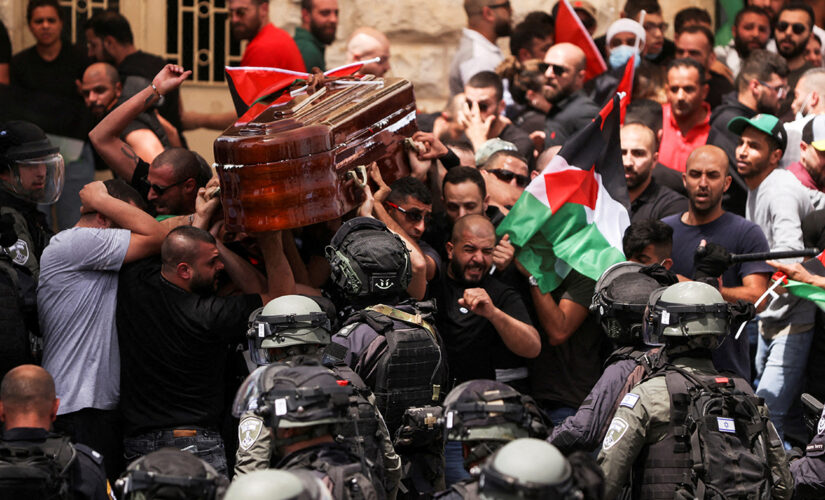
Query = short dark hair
x=751 y=9
x=205 y=172
x=409 y=187
x=687 y=63
x=799 y=6
x=539 y=16
x=119 y=189
x=690 y=14
x=645 y=111
x=504 y=153
x=184 y=163
x=698 y=28
x=111 y=23
x=487 y=79
x=633 y=7
x=642 y=233
x=34 y=4
x=179 y=245
x=305 y=4
x=458 y=175
x=524 y=33
x=760 y=65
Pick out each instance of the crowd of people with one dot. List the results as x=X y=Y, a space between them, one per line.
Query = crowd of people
x=404 y=350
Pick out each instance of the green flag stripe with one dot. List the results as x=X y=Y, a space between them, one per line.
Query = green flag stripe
x=806 y=291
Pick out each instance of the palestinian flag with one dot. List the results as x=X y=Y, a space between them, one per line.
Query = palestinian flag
x=569 y=28
x=625 y=88
x=575 y=213
x=254 y=88
x=813 y=293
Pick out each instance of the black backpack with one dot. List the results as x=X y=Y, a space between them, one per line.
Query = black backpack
x=37 y=471
x=397 y=352
x=716 y=421
x=349 y=478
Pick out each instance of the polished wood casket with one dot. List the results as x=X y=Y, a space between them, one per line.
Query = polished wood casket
x=302 y=161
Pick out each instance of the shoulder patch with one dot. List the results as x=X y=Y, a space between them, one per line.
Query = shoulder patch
x=19 y=252
x=820 y=426
x=814 y=447
x=248 y=431
x=629 y=400
x=344 y=332
x=614 y=433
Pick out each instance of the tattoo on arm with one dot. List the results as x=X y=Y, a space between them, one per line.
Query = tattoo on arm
x=130 y=153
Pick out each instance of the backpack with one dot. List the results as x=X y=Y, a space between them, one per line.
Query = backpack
x=397 y=353
x=716 y=421
x=37 y=471
x=349 y=479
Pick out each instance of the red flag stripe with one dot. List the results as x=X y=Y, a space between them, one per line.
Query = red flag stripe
x=569 y=28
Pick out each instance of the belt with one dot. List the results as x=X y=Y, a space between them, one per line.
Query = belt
x=180 y=433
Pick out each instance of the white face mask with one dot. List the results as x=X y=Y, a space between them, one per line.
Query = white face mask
x=803 y=110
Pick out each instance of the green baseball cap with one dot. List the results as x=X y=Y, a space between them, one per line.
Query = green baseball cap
x=763 y=122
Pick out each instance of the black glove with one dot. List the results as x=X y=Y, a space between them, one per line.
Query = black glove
x=8 y=236
x=660 y=273
x=710 y=261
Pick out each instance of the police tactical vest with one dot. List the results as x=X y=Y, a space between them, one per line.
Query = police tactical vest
x=397 y=352
x=717 y=444
x=37 y=471
x=349 y=477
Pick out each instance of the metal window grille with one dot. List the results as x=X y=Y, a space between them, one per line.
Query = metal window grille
x=77 y=12
x=198 y=37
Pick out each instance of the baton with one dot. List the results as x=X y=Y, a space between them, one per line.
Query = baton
x=782 y=254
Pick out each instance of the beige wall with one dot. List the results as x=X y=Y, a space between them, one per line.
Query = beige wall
x=423 y=36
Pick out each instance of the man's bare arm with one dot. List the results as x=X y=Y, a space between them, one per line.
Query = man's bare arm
x=105 y=137
x=560 y=320
x=279 y=277
x=145 y=144
x=753 y=286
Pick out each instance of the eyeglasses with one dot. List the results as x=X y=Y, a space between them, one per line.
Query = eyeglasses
x=781 y=90
x=502 y=5
x=654 y=26
x=482 y=105
x=558 y=69
x=413 y=215
x=508 y=176
x=160 y=190
x=798 y=28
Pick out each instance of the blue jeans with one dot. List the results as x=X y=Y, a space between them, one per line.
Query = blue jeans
x=780 y=367
x=206 y=445
x=454 y=463
x=557 y=415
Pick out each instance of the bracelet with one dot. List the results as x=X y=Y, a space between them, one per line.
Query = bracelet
x=191 y=219
x=155 y=90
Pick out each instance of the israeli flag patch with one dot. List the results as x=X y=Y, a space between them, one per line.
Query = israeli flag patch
x=726 y=425
x=629 y=400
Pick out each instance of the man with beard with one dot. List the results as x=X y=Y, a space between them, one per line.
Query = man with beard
x=808 y=101
x=571 y=109
x=319 y=20
x=686 y=115
x=487 y=20
x=751 y=31
x=505 y=175
x=761 y=85
x=791 y=32
x=175 y=333
x=478 y=316
x=101 y=89
x=269 y=46
x=706 y=178
x=648 y=200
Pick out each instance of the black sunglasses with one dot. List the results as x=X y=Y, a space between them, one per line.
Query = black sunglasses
x=413 y=215
x=502 y=5
x=558 y=69
x=507 y=176
x=160 y=190
x=482 y=106
x=798 y=28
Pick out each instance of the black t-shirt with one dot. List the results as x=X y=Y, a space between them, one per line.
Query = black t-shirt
x=148 y=66
x=474 y=347
x=563 y=375
x=5 y=44
x=173 y=349
x=138 y=180
x=718 y=87
x=657 y=202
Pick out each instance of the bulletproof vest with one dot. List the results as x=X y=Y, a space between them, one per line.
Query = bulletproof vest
x=37 y=470
x=350 y=479
x=397 y=352
x=716 y=446
x=462 y=490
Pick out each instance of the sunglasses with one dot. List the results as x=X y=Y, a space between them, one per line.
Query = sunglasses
x=653 y=26
x=413 y=215
x=781 y=90
x=507 y=176
x=558 y=69
x=798 y=28
x=160 y=190
x=502 y=5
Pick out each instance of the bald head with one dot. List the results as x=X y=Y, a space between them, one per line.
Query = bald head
x=369 y=43
x=569 y=54
x=103 y=69
x=475 y=224
x=27 y=390
x=709 y=155
x=182 y=244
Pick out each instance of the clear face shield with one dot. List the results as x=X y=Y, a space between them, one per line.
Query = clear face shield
x=39 y=180
x=267 y=334
x=248 y=397
x=686 y=320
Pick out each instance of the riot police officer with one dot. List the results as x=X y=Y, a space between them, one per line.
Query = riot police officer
x=170 y=473
x=274 y=484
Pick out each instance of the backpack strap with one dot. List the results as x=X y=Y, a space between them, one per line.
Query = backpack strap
x=414 y=319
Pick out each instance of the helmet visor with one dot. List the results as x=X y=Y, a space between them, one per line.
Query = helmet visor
x=39 y=180
x=249 y=395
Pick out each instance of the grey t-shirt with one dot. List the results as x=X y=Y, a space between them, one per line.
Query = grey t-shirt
x=76 y=301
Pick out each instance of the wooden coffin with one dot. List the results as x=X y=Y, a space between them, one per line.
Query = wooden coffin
x=297 y=163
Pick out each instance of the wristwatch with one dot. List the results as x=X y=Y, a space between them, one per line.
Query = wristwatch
x=532 y=280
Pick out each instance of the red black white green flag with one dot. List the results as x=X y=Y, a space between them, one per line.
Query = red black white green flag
x=815 y=294
x=575 y=213
x=569 y=28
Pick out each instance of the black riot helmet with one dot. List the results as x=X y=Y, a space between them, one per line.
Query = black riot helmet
x=368 y=260
x=31 y=168
x=619 y=301
x=170 y=474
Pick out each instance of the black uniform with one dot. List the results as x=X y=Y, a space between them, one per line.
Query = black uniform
x=88 y=477
x=809 y=471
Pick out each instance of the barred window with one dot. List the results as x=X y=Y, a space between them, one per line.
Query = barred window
x=75 y=14
x=198 y=37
